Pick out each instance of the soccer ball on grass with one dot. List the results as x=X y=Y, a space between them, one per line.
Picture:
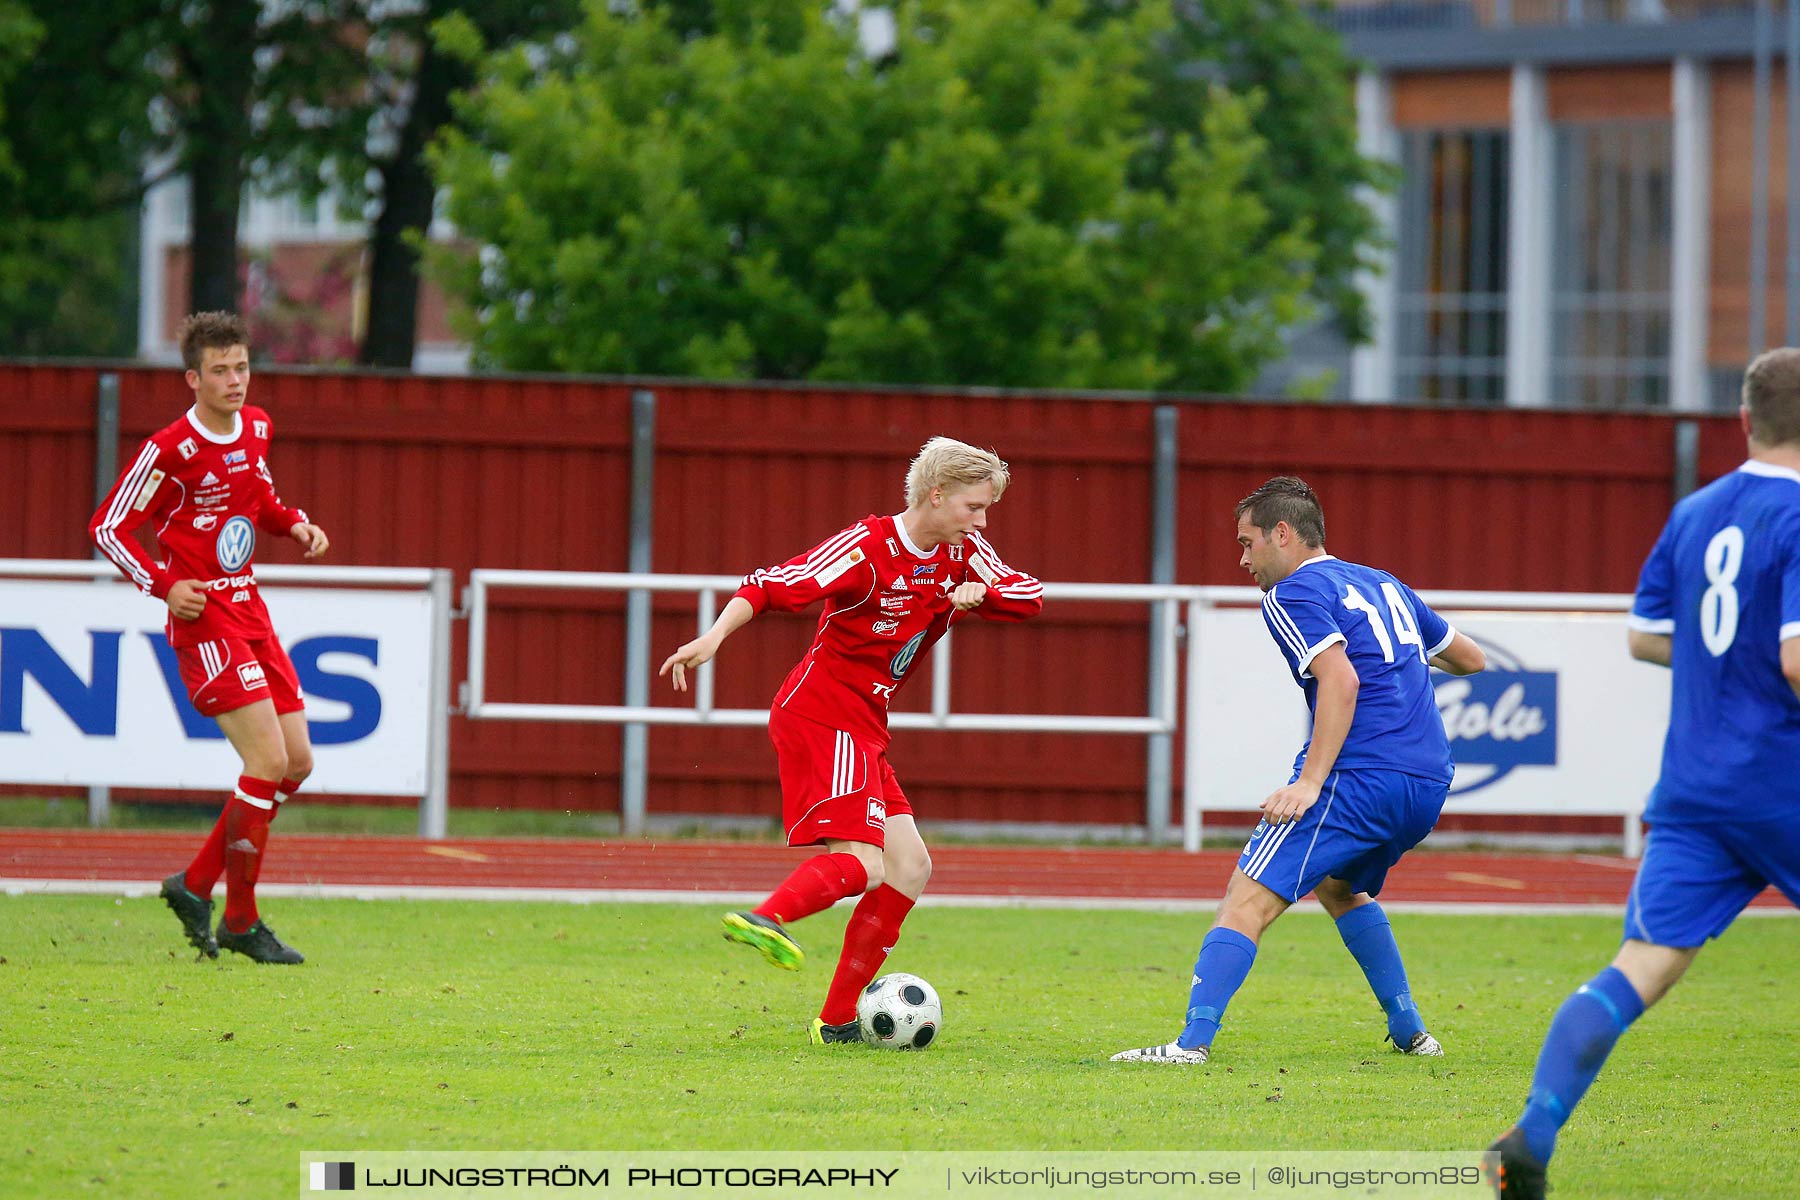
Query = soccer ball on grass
x=900 y=1012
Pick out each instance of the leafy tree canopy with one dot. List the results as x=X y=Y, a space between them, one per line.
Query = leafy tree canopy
x=756 y=196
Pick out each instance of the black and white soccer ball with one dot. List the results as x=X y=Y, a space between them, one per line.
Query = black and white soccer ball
x=900 y=1012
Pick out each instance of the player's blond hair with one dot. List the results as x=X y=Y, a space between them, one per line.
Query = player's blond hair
x=210 y=331
x=1772 y=394
x=949 y=464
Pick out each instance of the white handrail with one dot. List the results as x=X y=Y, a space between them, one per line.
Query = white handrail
x=706 y=589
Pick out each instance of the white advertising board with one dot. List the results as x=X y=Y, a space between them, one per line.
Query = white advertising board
x=1562 y=721
x=89 y=693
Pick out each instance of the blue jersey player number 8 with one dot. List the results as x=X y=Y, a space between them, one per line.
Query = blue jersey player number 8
x=1718 y=602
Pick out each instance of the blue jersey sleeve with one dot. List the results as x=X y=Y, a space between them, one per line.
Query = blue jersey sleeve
x=1653 y=608
x=1301 y=625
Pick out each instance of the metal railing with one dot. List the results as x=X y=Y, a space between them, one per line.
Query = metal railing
x=633 y=787
x=703 y=712
x=1167 y=602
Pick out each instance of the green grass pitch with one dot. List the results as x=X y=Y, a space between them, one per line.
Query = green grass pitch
x=126 y=1068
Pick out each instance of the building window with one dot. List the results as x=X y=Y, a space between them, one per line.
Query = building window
x=1612 y=241
x=1450 y=316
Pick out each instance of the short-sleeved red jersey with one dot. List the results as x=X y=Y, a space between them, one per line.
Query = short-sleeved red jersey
x=205 y=495
x=887 y=602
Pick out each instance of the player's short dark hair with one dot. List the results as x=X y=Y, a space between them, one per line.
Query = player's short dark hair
x=1772 y=394
x=210 y=331
x=1286 y=498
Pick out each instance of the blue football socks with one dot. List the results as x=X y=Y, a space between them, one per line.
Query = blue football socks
x=1224 y=962
x=1370 y=940
x=1586 y=1027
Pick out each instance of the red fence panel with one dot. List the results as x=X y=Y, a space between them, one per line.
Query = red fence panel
x=535 y=473
x=47 y=461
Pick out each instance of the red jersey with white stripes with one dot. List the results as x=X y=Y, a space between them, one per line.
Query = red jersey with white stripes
x=887 y=602
x=205 y=495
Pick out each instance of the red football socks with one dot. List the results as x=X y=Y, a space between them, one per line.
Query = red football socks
x=868 y=939
x=816 y=884
x=203 y=873
x=284 y=791
x=209 y=863
x=246 y=833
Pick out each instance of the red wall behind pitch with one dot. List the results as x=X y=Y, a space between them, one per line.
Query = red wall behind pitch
x=534 y=473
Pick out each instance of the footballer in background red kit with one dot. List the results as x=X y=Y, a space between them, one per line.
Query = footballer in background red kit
x=202 y=486
x=891 y=586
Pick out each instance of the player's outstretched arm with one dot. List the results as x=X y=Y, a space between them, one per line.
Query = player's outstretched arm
x=1790 y=662
x=1461 y=657
x=738 y=613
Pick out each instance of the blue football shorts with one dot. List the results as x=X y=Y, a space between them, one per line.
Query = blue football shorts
x=1696 y=878
x=1363 y=821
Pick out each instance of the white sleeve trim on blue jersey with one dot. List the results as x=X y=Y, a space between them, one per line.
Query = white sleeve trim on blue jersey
x=1325 y=643
x=1282 y=626
x=1790 y=630
x=1650 y=624
x=1449 y=636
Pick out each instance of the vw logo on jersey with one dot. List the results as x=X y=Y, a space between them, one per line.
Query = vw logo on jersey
x=907 y=653
x=1499 y=720
x=235 y=543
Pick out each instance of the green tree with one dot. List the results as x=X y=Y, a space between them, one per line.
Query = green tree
x=408 y=85
x=123 y=93
x=253 y=93
x=1299 y=78
x=19 y=38
x=65 y=244
x=757 y=198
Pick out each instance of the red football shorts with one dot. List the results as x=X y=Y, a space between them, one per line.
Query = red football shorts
x=230 y=673
x=833 y=787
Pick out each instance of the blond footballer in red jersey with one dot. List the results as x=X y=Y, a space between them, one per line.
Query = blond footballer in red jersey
x=891 y=586
x=203 y=486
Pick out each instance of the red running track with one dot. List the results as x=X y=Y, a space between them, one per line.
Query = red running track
x=1099 y=873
